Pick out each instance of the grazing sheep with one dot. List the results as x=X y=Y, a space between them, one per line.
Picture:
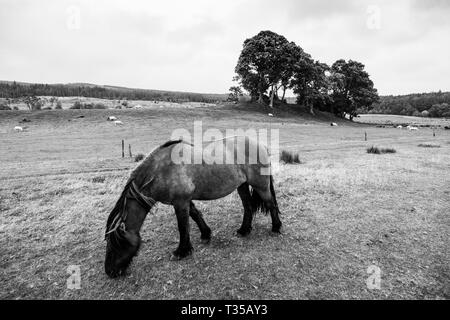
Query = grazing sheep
x=333 y=124
x=270 y=115
x=118 y=123
x=112 y=118
x=399 y=127
x=413 y=128
x=18 y=129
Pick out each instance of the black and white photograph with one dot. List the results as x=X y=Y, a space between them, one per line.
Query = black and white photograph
x=224 y=154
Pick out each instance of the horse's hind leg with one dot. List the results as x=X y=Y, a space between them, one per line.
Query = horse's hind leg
x=198 y=218
x=182 y=212
x=270 y=202
x=244 y=194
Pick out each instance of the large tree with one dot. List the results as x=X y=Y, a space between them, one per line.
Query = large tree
x=262 y=63
x=351 y=88
x=310 y=82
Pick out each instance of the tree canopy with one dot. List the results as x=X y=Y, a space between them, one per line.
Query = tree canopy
x=262 y=63
x=269 y=61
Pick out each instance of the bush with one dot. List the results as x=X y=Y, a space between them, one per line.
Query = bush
x=77 y=105
x=289 y=157
x=99 y=106
x=139 y=157
x=376 y=150
x=37 y=106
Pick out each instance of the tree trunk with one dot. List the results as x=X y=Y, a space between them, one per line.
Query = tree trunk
x=276 y=92
x=260 y=99
x=311 y=108
x=284 y=92
x=271 y=97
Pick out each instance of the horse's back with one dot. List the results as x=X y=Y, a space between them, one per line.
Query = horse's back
x=224 y=165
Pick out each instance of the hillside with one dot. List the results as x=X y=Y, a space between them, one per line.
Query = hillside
x=13 y=89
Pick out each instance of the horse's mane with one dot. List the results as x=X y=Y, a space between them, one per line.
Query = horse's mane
x=169 y=143
x=118 y=208
x=117 y=211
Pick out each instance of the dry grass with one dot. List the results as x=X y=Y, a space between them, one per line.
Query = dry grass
x=343 y=210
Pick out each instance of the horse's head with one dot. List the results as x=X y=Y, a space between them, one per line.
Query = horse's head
x=122 y=230
x=121 y=247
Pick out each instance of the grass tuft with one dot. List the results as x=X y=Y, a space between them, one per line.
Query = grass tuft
x=98 y=179
x=289 y=157
x=427 y=145
x=139 y=157
x=376 y=150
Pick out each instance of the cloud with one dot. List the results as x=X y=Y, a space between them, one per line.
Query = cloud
x=194 y=45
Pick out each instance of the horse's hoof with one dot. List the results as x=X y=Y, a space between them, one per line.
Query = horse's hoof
x=181 y=253
x=205 y=240
x=276 y=230
x=243 y=232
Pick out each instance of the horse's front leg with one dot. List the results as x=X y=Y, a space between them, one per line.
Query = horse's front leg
x=182 y=212
x=197 y=217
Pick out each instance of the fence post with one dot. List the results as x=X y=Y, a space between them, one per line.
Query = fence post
x=129 y=150
x=123 y=149
x=365 y=136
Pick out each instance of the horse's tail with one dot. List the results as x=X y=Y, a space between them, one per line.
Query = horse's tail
x=258 y=203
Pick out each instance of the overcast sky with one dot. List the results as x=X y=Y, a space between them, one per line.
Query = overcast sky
x=194 y=45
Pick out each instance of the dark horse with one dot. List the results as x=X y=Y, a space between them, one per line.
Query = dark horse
x=160 y=179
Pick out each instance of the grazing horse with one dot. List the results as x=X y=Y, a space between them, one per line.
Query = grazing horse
x=161 y=179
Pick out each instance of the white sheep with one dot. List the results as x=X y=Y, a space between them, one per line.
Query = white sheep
x=118 y=123
x=112 y=118
x=333 y=124
x=18 y=129
x=270 y=115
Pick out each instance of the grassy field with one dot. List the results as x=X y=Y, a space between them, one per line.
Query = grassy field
x=343 y=210
x=68 y=102
x=392 y=119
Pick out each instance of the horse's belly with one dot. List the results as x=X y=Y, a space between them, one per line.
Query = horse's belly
x=216 y=182
x=214 y=194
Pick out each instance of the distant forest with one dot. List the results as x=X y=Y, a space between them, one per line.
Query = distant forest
x=14 y=90
x=436 y=104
